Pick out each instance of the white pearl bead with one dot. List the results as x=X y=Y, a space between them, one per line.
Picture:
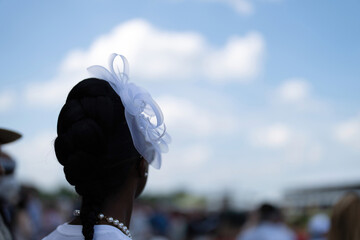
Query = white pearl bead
x=116 y=222
x=109 y=219
x=76 y=213
x=121 y=225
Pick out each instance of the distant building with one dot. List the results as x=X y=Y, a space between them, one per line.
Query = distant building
x=317 y=197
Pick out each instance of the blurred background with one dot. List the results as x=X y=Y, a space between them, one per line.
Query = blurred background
x=261 y=98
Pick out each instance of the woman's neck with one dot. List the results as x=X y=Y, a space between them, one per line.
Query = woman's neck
x=118 y=206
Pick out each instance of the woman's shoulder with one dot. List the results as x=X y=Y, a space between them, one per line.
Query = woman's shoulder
x=65 y=231
x=105 y=232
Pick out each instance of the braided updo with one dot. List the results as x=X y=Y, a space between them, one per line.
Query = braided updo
x=94 y=145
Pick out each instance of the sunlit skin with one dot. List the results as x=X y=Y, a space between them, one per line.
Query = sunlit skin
x=119 y=204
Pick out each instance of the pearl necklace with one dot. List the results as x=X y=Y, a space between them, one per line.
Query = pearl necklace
x=111 y=220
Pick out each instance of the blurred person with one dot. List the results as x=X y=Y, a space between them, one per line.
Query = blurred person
x=159 y=222
x=345 y=218
x=109 y=131
x=24 y=226
x=51 y=216
x=318 y=226
x=229 y=224
x=202 y=225
x=270 y=226
x=28 y=215
x=8 y=185
x=140 y=224
x=178 y=225
x=299 y=226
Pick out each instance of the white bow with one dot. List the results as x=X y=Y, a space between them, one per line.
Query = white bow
x=143 y=115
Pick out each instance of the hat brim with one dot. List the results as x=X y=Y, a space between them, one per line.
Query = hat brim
x=8 y=136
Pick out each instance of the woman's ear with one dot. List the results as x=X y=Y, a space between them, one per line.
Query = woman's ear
x=142 y=172
x=143 y=169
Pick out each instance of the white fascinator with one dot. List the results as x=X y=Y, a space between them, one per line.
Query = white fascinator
x=143 y=115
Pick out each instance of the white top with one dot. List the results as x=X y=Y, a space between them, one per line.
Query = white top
x=73 y=232
x=268 y=231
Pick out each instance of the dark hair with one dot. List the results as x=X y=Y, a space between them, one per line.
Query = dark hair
x=269 y=212
x=94 y=145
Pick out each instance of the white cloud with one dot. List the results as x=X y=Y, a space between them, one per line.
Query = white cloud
x=294 y=90
x=297 y=93
x=190 y=160
x=195 y=120
x=294 y=146
x=197 y=155
x=273 y=136
x=53 y=92
x=156 y=55
x=7 y=100
x=303 y=150
x=239 y=60
x=244 y=7
x=348 y=132
x=200 y=154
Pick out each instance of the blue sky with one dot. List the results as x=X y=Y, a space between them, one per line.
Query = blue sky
x=259 y=96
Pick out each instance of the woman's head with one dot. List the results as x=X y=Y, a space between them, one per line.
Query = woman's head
x=95 y=146
x=108 y=132
x=94 y=143
x=345 y=219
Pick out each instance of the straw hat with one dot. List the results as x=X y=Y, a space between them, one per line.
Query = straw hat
x=8 y=136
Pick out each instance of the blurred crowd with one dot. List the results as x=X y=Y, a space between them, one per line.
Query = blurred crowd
x=26 y=213
x=33 y=214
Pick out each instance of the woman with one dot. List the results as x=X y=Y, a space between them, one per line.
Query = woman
x=109 y=131
x=345 y=218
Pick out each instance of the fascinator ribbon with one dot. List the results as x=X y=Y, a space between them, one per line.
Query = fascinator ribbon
x=143 y=115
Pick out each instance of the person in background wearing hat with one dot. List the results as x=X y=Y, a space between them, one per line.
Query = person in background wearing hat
x=7 y=187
